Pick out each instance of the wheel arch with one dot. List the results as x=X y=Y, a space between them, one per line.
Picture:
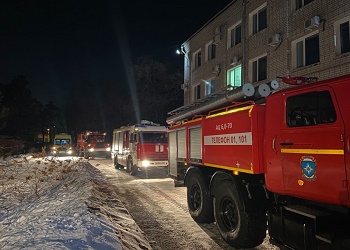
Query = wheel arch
x=202 y=170
x=251 y=189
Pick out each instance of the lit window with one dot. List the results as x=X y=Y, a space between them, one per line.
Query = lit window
x=234 y=76
x=259 y=69
x=211 y=51
x=306 y=51
x=235 y=35
x=342 y=35
x=197 y=92
x=300 y=3
x=197 y=59
x=258 y=20
x=210 y=87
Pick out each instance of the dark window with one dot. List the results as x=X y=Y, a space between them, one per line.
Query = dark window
x=310 y=109
x=259 y=68
x=153 y=137
x=211 y=51
x=312 y=53
x=344 y=38
x=262 y=19
x=197 y=92
x=300 y=3
x=238 y=34
x=198 y=59
x=259 y=20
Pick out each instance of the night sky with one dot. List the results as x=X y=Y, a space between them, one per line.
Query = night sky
x=57 y=44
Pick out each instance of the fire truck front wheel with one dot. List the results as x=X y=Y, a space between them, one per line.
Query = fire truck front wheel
x=116 y=164
x=238 y=228
x=200 y=204
x=86 y=154
x=80 y=152
x=131 y=168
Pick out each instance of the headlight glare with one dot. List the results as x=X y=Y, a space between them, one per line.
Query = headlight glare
x=145 y=163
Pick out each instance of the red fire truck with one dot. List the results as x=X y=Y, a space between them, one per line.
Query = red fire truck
x=279 y=163
x=93 y=143
x=140 y=146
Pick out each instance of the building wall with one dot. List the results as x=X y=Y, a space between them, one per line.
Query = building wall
x=282 y=19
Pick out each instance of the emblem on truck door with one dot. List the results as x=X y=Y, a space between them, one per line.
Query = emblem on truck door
x=308 y=167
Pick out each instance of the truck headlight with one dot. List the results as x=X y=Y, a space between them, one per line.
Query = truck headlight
x=145 y=163
x=108 y=149
x=69 y=152
x=91 y=149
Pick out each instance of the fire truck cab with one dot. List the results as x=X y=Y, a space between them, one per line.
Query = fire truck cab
x=140 y=146
x=93 y=143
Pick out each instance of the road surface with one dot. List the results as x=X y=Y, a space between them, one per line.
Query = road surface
x=160 y=210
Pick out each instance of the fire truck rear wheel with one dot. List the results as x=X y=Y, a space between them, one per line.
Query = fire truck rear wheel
x=200 y=204
x=238 y=228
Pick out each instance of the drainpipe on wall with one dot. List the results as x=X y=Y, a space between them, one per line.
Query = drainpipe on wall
x=288 y=52
x=244 y=55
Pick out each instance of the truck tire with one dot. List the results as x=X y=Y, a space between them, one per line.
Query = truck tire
x=130 y=168
x=237 y=228
x=200 y=204
x=86 y=155
x=116 y=164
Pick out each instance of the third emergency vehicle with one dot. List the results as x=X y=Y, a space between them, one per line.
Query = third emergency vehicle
x=140 y=146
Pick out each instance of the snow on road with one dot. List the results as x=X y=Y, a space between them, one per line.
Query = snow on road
x=160 y=210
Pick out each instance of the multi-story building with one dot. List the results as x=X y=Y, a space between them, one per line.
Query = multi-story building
x=257 y=41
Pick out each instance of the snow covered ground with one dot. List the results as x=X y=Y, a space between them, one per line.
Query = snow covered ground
x=62 y=203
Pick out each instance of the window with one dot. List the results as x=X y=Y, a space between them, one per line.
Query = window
x=306 y=51
x=149 y=137
x=234 y=76
x=310 y=109
x=300 y=3
x=234 y=35
x=258 y=67
x=258 y=20
x=197 y=92
x=342 y=36
x=210 y=86
x=211 y=51
x=197 y=59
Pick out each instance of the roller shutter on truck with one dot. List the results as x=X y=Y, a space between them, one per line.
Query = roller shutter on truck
x=195 y=135
x=181 y=144
x=172 y=137
x=120 y=142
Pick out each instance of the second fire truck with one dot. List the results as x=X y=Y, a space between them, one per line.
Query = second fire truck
x=93 y=143
x=281 y=163
x=139 y=146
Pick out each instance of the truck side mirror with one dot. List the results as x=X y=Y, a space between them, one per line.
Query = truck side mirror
x=133 y=138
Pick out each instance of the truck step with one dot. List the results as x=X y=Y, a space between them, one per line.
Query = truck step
x=306 y=211
x=326 y=237
x=324 y=222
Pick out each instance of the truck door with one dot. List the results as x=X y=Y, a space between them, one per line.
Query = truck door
x=312 y=147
